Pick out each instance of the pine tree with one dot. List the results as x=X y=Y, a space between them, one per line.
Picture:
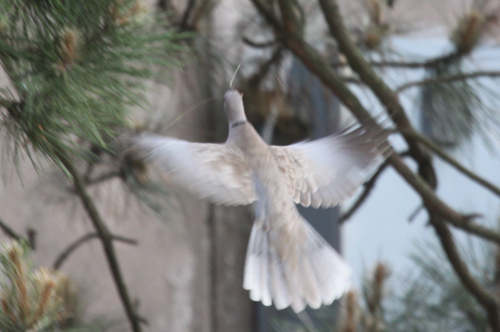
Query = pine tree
x=76 y=69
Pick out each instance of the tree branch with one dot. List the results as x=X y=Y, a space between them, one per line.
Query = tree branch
x=106 y=239
x=485 y=298
x=75 y=245
x=321 y=68
x=424 y=186
x=382 y=91
x=450 y=160
x=447 y=79
x=433 y=202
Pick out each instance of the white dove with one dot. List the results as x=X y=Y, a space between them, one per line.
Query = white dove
x=288 y=263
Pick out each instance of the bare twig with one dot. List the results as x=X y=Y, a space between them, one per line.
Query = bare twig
x=447 y=79
x=485 y=298
x=268 y=15
x=399 y=64
x=266 y=67
x=103 y=177
x=390 y=63
x=184 y=25
x=165 y=5
x=450 y=160
x=415 y=213
x=106 y=239
x=255 y=44
x=96 y=180
x=30 y=237
x=369 y=185
x=75 y=245
x=9 y=231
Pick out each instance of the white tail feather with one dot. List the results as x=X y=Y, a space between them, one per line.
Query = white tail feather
x=312 y=273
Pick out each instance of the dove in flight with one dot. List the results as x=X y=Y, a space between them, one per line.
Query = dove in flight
x=288 y=263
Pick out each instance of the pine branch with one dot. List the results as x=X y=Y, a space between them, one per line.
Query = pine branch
x=94 y=70
x=31 y=299
x=106 y=239
x=63 y=256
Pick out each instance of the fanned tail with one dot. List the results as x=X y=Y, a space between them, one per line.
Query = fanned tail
x=293 y=266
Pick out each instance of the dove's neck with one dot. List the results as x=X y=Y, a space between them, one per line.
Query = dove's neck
x=237 y=120
x=237 y=123
x=235 y=112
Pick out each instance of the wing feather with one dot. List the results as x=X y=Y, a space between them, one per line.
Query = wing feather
x=209 y=171
x=327 y=171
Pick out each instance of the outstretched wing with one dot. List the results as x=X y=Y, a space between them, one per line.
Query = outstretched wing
x=211 y=171
x=327 y=171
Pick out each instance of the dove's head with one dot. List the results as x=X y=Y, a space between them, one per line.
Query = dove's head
x=233 y=104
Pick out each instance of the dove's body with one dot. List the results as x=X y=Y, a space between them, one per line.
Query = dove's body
x=270 y=184
x=288 y=263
